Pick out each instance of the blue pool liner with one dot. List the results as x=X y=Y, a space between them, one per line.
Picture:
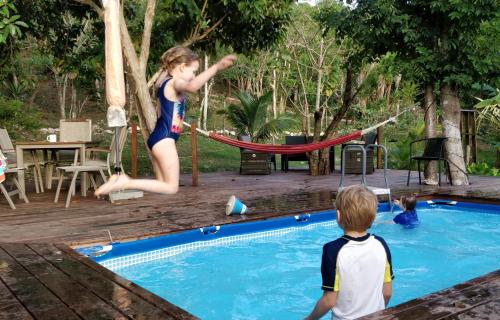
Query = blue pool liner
x=213 y=232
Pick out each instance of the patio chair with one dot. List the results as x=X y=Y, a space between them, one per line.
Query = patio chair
x=433 y=151
x=10 y=152
x=75 y=130
x=11 y=175
x=92 y=165
x=287 y=158
x=69 y=131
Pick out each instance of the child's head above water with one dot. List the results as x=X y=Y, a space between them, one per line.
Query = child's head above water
x=356 y=208
x=408 y=202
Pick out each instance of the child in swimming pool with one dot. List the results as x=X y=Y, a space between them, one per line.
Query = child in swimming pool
x=407 y=218
x=178 y=75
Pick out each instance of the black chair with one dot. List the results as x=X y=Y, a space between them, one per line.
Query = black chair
x=293 y=140
x=255 y=162
x=286 y=158
x=433 y=151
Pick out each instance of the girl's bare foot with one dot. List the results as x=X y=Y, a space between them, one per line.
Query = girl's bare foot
x=115 y=182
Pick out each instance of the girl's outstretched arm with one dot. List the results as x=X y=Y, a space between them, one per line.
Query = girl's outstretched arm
x=195 y=84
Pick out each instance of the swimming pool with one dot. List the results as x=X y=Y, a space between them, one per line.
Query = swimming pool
x=270 y=269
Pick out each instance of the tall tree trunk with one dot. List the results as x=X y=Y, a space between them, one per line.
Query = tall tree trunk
x=323 y=167
x=430 y=172
x=61 y=84
x=275 y=90
x=363 y=100
x=451 y=130
x=205 y=98
x=137 y=66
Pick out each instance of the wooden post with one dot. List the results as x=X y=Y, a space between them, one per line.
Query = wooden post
x=474 y=136
x=380 y=140
x=194 y=156
x=133 y=151
x=468 y=133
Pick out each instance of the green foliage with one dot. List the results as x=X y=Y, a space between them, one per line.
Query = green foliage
x=451 y=41
x=482 y=169
x=399 y=154
x=10 y=25
x=250 y=117
x=70 y=35
x=489 y=110
x=18 y=119
x=245 y=25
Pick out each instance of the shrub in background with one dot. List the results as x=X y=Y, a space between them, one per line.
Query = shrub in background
x=19 y=120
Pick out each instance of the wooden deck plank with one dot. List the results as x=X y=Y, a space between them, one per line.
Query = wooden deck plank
x=81 y=301
x=171 y=309
x=487 y=311
x=457 y=299
x=89 y=219
x=456 y=303
x=10 y=307
x=93 y=280
x=36 y=298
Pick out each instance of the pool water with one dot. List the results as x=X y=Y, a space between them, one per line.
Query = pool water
x=278 y=277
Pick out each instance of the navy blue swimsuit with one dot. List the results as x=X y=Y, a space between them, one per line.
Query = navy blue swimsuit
x=170 y=121
x=408 y=218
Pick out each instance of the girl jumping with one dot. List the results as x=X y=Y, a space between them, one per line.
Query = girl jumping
x=177 y=76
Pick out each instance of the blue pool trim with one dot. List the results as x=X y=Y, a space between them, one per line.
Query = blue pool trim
x=215 y=232
x=210 y=233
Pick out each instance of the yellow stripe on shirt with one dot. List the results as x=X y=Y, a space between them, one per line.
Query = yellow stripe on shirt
x=387 y=274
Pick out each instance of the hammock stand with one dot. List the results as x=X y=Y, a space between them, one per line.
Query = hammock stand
x=291 y=149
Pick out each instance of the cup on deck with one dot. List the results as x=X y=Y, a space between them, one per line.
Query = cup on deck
x=52 y=138
x=235 y=206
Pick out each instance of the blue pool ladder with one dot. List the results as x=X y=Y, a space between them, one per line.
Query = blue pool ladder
x=376 y=190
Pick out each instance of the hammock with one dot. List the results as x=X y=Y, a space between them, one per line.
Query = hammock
x=291 y=149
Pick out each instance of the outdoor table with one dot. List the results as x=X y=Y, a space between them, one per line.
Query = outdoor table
x=33 y=146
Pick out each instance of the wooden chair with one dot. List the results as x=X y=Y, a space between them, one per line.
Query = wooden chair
x=69 y=131
x=92 y=166
x=11 y=174
x=75 y=130
x=10 y=152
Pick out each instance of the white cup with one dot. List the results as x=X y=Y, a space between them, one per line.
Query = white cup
x=52 y=138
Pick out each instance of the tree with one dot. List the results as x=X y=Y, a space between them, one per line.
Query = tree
x=438 y=42
x=250 y=117
x=10 y=23
x=243 y=25
x=70 y=37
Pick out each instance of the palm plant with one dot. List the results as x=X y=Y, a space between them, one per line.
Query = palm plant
x=489 y=109
x=250 y=117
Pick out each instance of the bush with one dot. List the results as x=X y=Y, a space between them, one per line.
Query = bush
x=18 y=119
x=482 y=169
x=399 y=154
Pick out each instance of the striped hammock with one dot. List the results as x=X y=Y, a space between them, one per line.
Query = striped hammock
x=291 y=149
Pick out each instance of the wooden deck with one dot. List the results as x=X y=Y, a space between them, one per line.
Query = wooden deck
x=42 y=278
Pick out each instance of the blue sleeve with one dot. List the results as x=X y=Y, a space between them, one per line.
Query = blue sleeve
x=329 y=264
x=399 y=219
x=328 y=270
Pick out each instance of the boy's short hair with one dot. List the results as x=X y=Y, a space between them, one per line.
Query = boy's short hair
x=409 y=202
x=358 y=207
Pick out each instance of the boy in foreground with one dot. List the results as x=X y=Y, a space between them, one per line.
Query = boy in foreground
x=356 y=268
